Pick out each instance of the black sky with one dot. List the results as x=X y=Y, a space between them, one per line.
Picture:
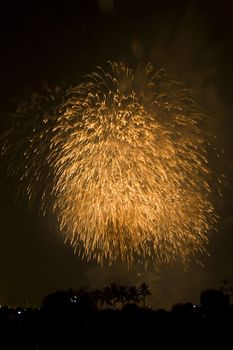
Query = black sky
x=191 y=39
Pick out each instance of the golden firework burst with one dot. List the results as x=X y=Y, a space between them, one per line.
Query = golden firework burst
x=127 y=165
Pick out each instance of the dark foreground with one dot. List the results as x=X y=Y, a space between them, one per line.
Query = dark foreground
x=67 y=323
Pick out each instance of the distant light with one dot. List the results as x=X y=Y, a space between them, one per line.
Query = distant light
x=19 y=312
x=73 y=300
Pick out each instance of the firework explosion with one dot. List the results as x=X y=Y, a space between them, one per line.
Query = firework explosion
x=122 y=159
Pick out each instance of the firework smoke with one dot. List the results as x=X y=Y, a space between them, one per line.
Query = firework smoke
x=122 y=159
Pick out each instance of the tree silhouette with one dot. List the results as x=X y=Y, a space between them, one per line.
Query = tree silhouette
x=133 y=294
x=226 y=287
x=213 y=300
x=144 y=291
x=97 y=296
x=115 y=294
x=122 y=295
x=107 y=296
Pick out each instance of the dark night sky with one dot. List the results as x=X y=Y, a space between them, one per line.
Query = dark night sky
x=191 y=39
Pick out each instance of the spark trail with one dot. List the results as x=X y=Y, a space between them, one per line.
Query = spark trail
x=122 y=158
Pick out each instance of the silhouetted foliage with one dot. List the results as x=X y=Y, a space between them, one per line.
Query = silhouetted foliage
x=70 y=320
x=144 y=291
x=213 y=299
x=122 y=297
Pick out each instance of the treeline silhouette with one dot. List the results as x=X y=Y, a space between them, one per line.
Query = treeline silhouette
x=117 y=317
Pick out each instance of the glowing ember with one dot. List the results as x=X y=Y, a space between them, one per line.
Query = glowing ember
x=122 y=159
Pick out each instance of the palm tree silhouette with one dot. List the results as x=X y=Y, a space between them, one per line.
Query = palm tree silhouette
x=122 y=295
x=144 y=291
x=133 y=294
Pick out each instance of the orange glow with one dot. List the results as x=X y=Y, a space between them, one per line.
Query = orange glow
x=131 y=179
